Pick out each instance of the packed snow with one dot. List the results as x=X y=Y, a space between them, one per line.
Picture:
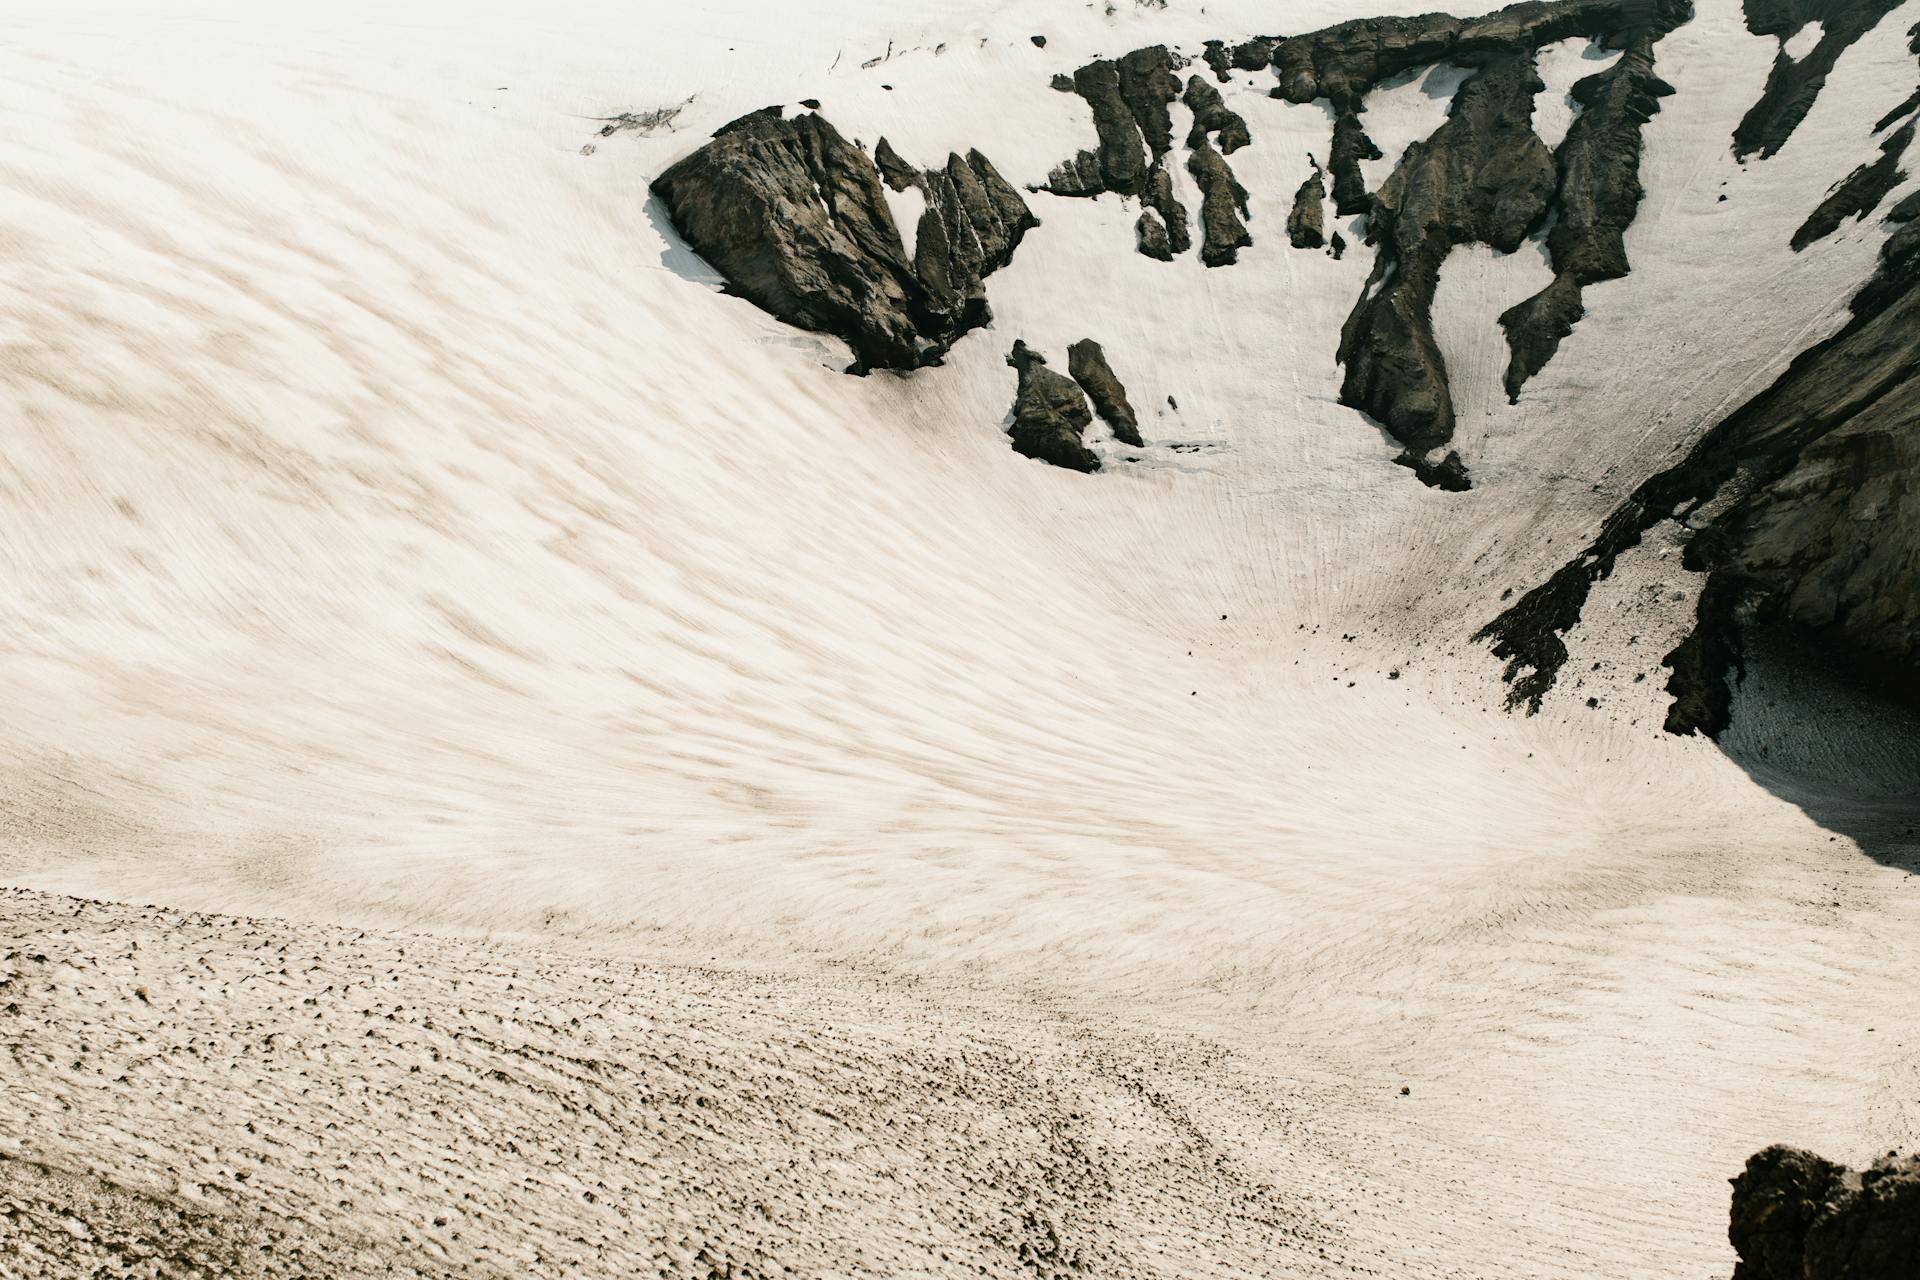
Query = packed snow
x=418 y=573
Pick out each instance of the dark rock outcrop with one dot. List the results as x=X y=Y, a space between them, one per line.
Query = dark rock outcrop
x=1861 y=193
x=1129 y=98
x=1793 y=86
x=1150 y=236
x=1212 y=115
x=1050 y=414
x=1306 y=223
x=1087 y=362
x=1251 y=55
x=1223 y=205
x=1159 y=197
x=1483 y=176
x=1796 y=1216
x=1801 y=504
x=795 y=218
x=1598 y=197
x=1350 y=146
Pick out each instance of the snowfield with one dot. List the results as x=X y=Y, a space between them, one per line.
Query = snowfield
x=515 y=765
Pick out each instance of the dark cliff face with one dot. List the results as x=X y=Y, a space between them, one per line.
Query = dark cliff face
x=1801 y=504
x=1798 y=1217
x=794 y=217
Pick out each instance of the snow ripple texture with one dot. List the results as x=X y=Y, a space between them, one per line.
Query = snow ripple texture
x=514 y=765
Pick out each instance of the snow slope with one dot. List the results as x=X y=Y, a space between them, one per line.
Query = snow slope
x=404 y=534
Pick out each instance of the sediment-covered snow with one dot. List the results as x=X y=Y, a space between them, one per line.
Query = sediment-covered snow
x=404 y=534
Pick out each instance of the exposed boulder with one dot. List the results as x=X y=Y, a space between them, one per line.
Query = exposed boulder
x=1050 y=414
x=795 y=218
x=1306 y=223
x=1150 y=236
x=1223 y=203
x=1796 y=1216
x=1212 y=115
x=1087 y=362
x=1173 y=215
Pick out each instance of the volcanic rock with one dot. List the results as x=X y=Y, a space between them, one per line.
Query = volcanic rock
x=1050 y=414
x=1087 y=362
x=795 y=218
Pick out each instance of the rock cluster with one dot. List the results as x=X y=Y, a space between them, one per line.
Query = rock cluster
x=1050 y=414
x=1306 y=223
x=1796 y=1216
x=1129 y=98
x=1794 y=84
x=795 y=218
x=1484 y=176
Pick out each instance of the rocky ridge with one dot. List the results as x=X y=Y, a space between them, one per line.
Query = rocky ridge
x=1796 y=1216
x=1799 y=506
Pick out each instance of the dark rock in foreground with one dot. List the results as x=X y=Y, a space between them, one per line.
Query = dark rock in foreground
x=794 y=217
x=1050 y=414
x=1087 y=362
x=1796 y=1216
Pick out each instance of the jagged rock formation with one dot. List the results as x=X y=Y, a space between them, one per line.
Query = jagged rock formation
x=1861 y=193
x=1212 y=115
x=1087 y=362
x=1801 y=503
x=1599 y=194
x=1349 y=147
x=1252 y=55
x=1306 y=223
x=1796 y=1216
x=1482 y=176
x=1129 y=99
x=1794 y=85
x=1050 y=414
x=1223 y=205
x=793 y=215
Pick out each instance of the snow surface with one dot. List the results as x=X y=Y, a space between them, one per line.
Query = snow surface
x=405 y=534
